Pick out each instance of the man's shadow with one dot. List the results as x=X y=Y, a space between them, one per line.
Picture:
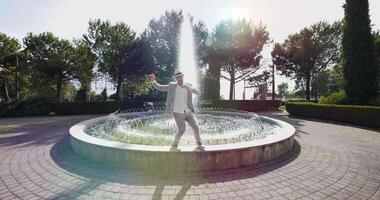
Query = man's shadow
x=179 y=196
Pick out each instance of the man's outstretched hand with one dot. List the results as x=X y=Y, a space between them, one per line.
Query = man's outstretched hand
x=152 y=77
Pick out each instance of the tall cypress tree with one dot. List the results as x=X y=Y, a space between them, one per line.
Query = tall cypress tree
x=358 y=59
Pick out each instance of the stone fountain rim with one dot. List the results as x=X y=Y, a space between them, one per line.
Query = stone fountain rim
x=281 y=133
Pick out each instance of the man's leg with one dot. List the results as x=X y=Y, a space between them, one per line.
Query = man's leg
x=190 y=118
x=181 y=127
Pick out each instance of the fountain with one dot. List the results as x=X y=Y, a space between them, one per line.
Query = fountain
x=139 y=139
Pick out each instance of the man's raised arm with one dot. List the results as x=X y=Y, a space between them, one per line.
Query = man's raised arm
x=156 y=85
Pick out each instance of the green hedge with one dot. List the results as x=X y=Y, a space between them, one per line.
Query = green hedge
x=26 y=107
x=248 y=105
x=78 y=108
x=352 y=114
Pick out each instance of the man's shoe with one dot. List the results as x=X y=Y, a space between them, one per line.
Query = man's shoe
x=200 y=147
x=174 y=149
x=174 y=146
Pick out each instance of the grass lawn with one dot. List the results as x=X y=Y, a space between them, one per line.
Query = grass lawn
x=4 y=128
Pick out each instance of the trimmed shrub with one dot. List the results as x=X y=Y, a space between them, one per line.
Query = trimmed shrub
x=351 y=114
x=26 y=107
x=78 y=108
x=375 y=101
x=334 y=98
x=247 y=105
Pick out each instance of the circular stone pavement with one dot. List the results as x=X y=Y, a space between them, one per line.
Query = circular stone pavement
x=328 y=161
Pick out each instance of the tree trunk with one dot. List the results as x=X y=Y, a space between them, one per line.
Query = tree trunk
x=315 y=88
x=232 y=75
x=211 y=82
x=87 y=92
x=59 y=86
x=273 y=84
x=234 y=92
x=17 y=87
x=308 y=88
x=5 y=93
x=118 y=87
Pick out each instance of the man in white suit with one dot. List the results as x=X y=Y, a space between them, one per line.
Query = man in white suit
x=180 y=102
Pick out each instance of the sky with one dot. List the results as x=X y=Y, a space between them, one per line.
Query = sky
x=69 y=18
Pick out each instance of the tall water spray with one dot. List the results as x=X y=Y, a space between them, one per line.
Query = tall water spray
x=187 y=58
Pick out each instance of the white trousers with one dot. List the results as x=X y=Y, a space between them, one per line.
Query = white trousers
x=181 y=120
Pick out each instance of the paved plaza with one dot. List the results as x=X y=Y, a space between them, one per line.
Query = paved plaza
x=328 y=161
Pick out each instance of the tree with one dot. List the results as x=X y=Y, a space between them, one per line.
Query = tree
x=134 y=89
x=104 y=94
x=303 y=55
x=82 y=95
x=358 y=60
x=283 y=89
x=113 y=44
x=9 y=47
x=50 y=61
x=337 y=79
x=322 y=82
x=163 y=37
x=84 y=60
x=211 y=86
x=95 y=97
x=69 y=92
x=201 y=36
x=377 y=55
x=238 y=45
x=260 y=82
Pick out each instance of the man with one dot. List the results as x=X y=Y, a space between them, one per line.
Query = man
x=179 y=101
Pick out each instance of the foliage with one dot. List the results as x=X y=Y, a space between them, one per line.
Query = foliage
x=32 y=106
x=337 y=79
x=375 y=101
x=352 y=114
x=306 y=53
x=69 y=92
x=321 y=82
x=163 y=34
x=80 y=108
x=334 y=98
x=324 y=83
x=377 y=55
x=239 y=45
x=95 y=97
x=247 y=105
x=162 y=37
x=104 y=94
x=358 y=60
x=132 y=89
x=9 y=47
x=297 y=95
x=82 y=94
x=201 y=37
x=283 y=89
x=50 y=61
x=85 y=59
x=114 y=46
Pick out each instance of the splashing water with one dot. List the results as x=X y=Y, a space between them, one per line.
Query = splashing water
x=157 y=127
x=187 y=59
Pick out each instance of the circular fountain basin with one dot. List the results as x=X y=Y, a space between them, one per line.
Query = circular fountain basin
x=186 y=158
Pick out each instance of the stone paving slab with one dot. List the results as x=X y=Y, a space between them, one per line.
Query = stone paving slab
x=329 y=161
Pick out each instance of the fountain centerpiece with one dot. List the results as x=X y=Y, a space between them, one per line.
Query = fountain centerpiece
x=139 y=139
